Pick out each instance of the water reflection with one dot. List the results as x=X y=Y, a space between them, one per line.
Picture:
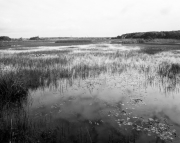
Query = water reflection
x=123 y=102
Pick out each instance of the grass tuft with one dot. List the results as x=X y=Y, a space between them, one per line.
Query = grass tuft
x=169 y=70
x=12 y=90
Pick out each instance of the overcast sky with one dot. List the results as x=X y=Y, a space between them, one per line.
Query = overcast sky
x=85 y=18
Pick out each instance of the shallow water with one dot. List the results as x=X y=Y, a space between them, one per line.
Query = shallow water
x=79 y=48
x=102 y=101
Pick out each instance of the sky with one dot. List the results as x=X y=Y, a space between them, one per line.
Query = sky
x=86 y=18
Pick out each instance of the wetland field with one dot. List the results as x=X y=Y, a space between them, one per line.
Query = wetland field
x=90 y=93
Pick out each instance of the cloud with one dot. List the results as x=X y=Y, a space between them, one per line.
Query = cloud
x=2 y=29
x=99 y=17
x=165 y=11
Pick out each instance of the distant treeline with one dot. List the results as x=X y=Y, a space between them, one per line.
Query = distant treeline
x=5 y=38
x=151 y=35
x=3 y=42
x=35 y=38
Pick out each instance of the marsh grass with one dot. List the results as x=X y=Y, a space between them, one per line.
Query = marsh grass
x=170 y=70
x=30 y=44
x=12 y=90
x=151 y=50
x=4 y=45
x=38 y=72
x=23 y=72
x=133 y=41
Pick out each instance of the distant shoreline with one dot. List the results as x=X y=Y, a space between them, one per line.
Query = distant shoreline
x=151 y=35
x=85 y=41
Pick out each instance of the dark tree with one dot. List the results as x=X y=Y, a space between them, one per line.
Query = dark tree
x=34 y=38
x=5 y=38
x=151 y=35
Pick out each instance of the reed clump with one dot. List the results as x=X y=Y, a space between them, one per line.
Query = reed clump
x=12 y=90
x=169 y=70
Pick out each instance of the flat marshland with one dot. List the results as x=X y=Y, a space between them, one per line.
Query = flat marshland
x=90 y=93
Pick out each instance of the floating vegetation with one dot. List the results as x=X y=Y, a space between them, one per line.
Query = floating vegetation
x=154 y=127
x=137 y=101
